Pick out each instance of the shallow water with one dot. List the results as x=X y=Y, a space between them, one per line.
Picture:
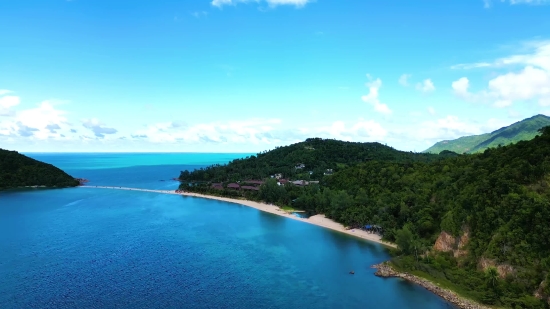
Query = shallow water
x=91 y=248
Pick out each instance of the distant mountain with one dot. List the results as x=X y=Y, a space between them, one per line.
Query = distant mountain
x=523 y=130
x=17 y=170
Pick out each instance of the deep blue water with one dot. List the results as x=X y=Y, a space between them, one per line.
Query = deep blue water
x=95 y=248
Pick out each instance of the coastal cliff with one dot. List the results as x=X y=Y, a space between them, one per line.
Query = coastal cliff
x=384 y=270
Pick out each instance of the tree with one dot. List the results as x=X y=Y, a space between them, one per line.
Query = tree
x=492 y=275
x=404 y=239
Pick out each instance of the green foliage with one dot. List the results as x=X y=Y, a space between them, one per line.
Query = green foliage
x=404 y=239
x=501 y=196
x=523 y=130
x=17 y=170
x=316 y=154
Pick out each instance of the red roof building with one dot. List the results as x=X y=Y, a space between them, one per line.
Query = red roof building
x=233 y=186
x=250 y=188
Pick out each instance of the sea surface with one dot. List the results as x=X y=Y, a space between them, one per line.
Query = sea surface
x=101 y=248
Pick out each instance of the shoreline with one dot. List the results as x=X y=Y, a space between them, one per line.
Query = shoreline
x=319 y=220
x=385 y=270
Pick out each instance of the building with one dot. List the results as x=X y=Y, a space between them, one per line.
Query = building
x=278 y=176
x=300 y=183
x=234 y=186
x=254 y=182
x=217 y=186
x=250 y=188
x=329 y=171
x=300 y=166
x=282 y=182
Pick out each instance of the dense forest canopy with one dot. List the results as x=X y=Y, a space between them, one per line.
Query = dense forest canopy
x=496 y=204
x=316 y=154
x=523 y=130
x=17 y=170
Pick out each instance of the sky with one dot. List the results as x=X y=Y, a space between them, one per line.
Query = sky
x=251 y=75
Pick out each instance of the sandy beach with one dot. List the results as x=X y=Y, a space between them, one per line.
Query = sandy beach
x=319 y=220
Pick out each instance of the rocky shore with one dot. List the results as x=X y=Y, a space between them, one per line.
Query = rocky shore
x=385 y=270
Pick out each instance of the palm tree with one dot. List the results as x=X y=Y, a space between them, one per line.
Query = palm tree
x=492 y=275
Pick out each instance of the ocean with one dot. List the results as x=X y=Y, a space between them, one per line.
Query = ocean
x=100 y=248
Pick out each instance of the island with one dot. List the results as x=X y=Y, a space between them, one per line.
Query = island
x=475 y=224
x=17 y=171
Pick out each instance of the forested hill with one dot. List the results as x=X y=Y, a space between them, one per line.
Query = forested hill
x=316 y=154
x=478 y=223
x=481 y=222
x=523 y=130
x=17 y=170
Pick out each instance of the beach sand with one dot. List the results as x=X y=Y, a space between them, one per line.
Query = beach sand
x=319 y=220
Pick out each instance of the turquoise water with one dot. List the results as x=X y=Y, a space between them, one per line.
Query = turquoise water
x=99 y=248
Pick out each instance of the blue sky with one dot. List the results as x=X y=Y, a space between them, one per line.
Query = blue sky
x=246 y=76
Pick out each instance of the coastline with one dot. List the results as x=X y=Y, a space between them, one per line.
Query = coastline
x=385 y=270
x=319 y=220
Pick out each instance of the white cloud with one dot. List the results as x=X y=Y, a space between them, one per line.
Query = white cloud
x=404 y=79
x=42 y=122
x=532 y=83
x=199 y=14
x=452 y=127
x=426 y=86
x=372 y=97
x=257 y=132
x=98 y=127
x=362 y=130
x=460 y=88
x=271 y=3
x=4 y=92
x=7 y=103
x=467 y=66
x=488 y=3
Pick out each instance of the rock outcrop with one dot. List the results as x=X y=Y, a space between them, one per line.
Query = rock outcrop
x=386 y=271
x=502 y=269
x=539 y=293
x=448 y=243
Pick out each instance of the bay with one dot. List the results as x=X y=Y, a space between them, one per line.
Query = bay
x=92 y=248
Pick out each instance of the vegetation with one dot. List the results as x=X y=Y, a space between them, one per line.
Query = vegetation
x=316 y=154
x=17 y=170
x=523 y=130
x=498 y=201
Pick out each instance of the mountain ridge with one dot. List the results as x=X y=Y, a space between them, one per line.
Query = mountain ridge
x=525 y=129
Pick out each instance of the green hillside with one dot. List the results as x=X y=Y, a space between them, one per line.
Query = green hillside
x=17 y=170
x=316 y=154
x=523 y=130
x=475 y=223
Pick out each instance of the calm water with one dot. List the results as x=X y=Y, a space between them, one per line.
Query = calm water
x=93 y=248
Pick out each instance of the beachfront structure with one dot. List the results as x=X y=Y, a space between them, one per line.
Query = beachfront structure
x=234 y=186
x=282 y=182
x=251 y=188
x=217 y=186
x=254 y=182
x=300 y=183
